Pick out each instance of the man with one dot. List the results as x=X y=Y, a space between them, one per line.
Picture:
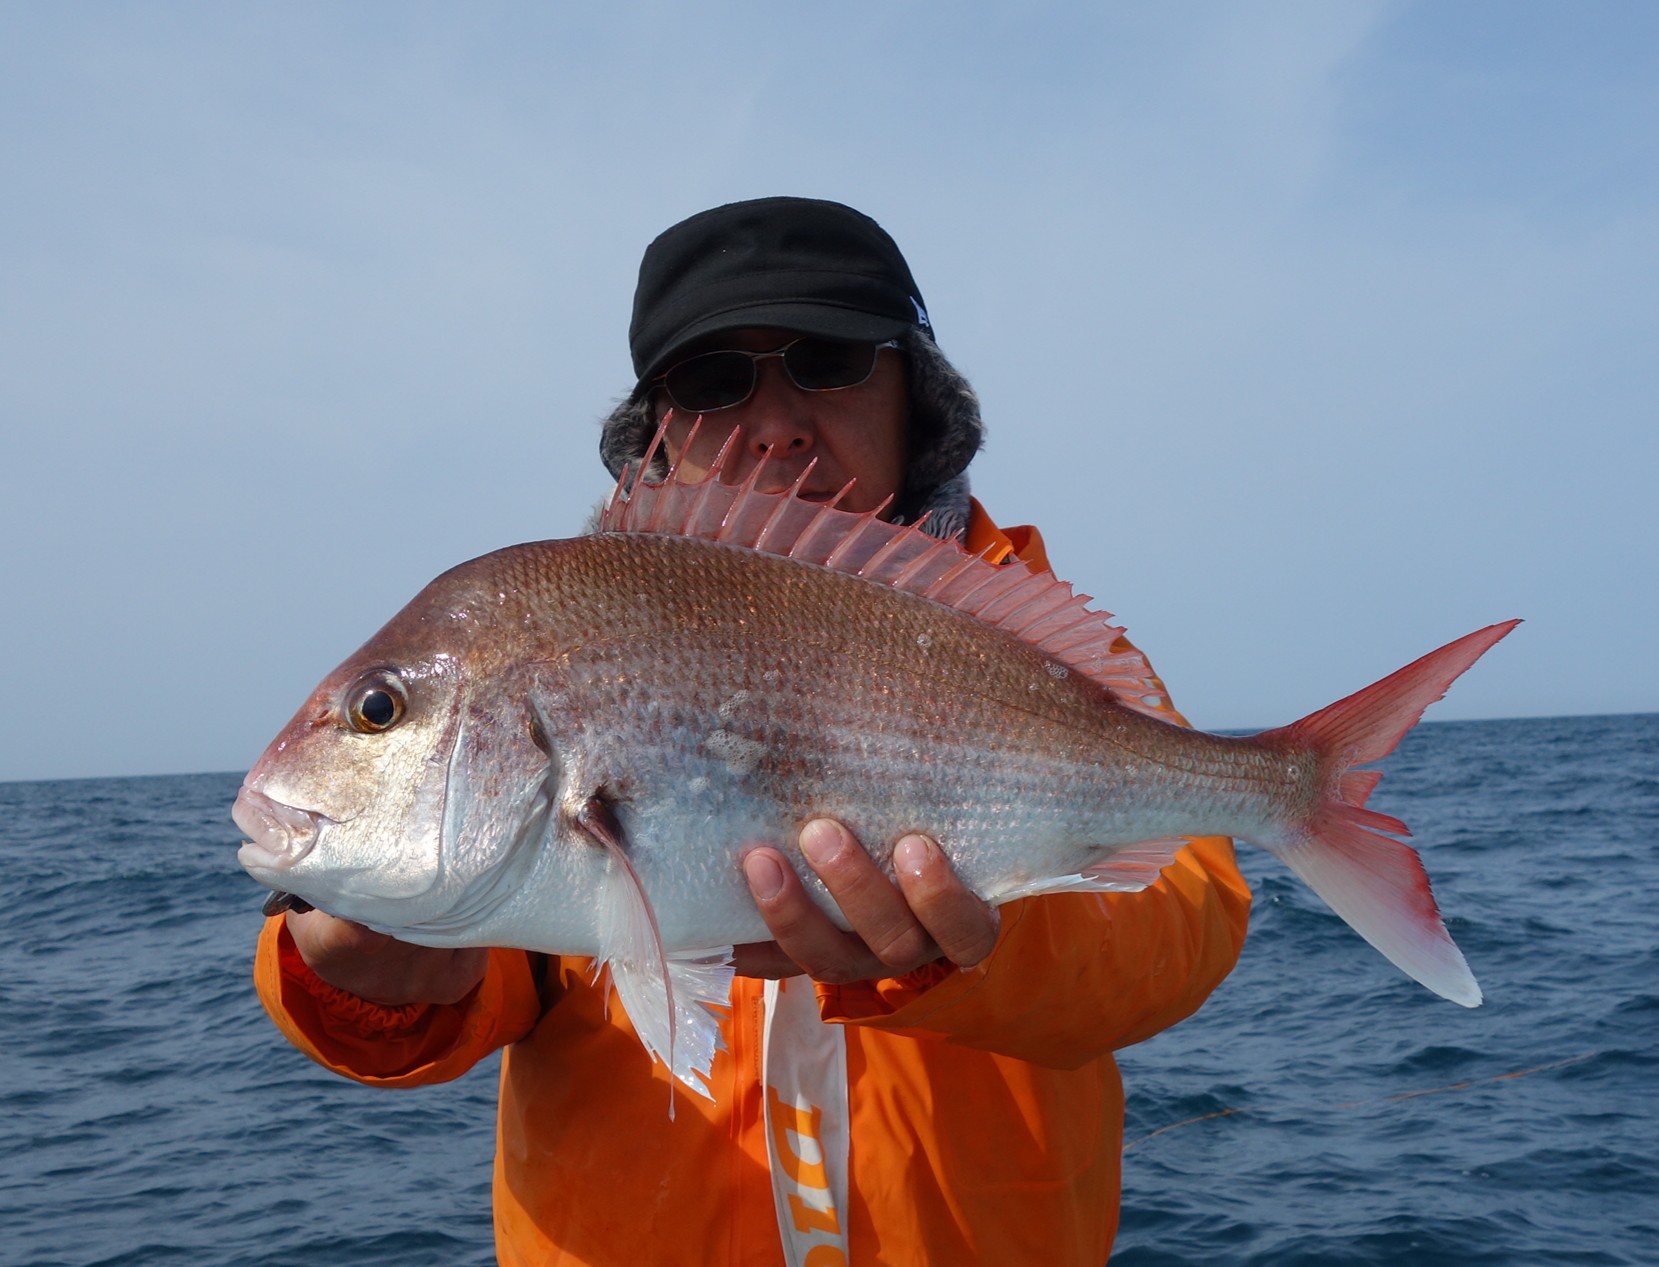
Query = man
x=934 y=1086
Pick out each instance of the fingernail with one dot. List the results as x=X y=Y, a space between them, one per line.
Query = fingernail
x=912 y=855
x=764 y=874
x=820 y=841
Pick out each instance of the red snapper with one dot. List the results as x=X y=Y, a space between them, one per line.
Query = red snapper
x=567 y=746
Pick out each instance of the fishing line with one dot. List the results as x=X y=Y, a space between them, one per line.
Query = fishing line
x=1358 y=1104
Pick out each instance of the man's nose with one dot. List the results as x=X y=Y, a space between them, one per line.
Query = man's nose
x=777 y=419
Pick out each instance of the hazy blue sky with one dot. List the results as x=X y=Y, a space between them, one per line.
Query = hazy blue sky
x=1313 y=335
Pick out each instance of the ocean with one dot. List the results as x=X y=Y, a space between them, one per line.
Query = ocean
x=1321 y=1108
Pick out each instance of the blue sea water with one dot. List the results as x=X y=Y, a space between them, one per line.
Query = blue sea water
x=1321 y=1109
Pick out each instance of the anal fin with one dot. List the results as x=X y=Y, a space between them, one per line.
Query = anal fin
x=1126 y=869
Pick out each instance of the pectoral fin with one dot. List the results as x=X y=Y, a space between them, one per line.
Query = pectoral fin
x=669 y=997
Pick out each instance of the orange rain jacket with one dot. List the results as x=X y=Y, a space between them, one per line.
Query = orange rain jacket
x=986 y=1109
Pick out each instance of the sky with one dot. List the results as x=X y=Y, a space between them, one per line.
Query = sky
x=1313 y=335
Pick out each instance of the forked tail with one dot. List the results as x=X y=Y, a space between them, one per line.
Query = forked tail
x=1376 y=884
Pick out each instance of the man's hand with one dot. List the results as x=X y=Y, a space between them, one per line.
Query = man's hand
x=929 y=914
x=376 y=967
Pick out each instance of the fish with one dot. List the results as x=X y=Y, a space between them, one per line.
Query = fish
x=569 y=745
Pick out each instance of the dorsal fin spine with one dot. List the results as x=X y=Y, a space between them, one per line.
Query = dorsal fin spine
x=704 y=491
x=878 y=560
x=764 y=536
x=854 y=535
x=1035 y=611
x=660 y=509
x=939 y=583
x=798 y=548
x=726 y=447
x=1078 y=638
x=928 y=556
x=1004 y=608
x=734 y=513
x=657 y=442
x=1014 y=597
x=960 y=600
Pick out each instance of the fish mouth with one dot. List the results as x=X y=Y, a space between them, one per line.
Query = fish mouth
x=279 y=835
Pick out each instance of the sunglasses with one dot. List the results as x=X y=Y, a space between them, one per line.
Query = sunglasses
x=722 y=380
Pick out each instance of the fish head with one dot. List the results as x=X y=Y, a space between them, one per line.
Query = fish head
x=406 y=783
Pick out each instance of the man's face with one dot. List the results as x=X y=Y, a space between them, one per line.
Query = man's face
x=855 y=433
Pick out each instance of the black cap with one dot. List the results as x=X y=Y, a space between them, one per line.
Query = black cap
x=795 y=263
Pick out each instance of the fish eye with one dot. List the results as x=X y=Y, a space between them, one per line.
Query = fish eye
x=376 y=703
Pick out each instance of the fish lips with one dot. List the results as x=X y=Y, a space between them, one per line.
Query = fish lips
x=279 y=836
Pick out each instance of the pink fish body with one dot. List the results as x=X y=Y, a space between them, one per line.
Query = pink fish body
x=568 y=745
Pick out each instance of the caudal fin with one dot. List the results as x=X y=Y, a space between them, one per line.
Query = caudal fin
x=1376 y=884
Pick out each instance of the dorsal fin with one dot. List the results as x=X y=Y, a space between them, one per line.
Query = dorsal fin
x=1025 y=602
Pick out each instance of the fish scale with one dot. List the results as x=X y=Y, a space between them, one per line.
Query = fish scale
x=902 y=732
